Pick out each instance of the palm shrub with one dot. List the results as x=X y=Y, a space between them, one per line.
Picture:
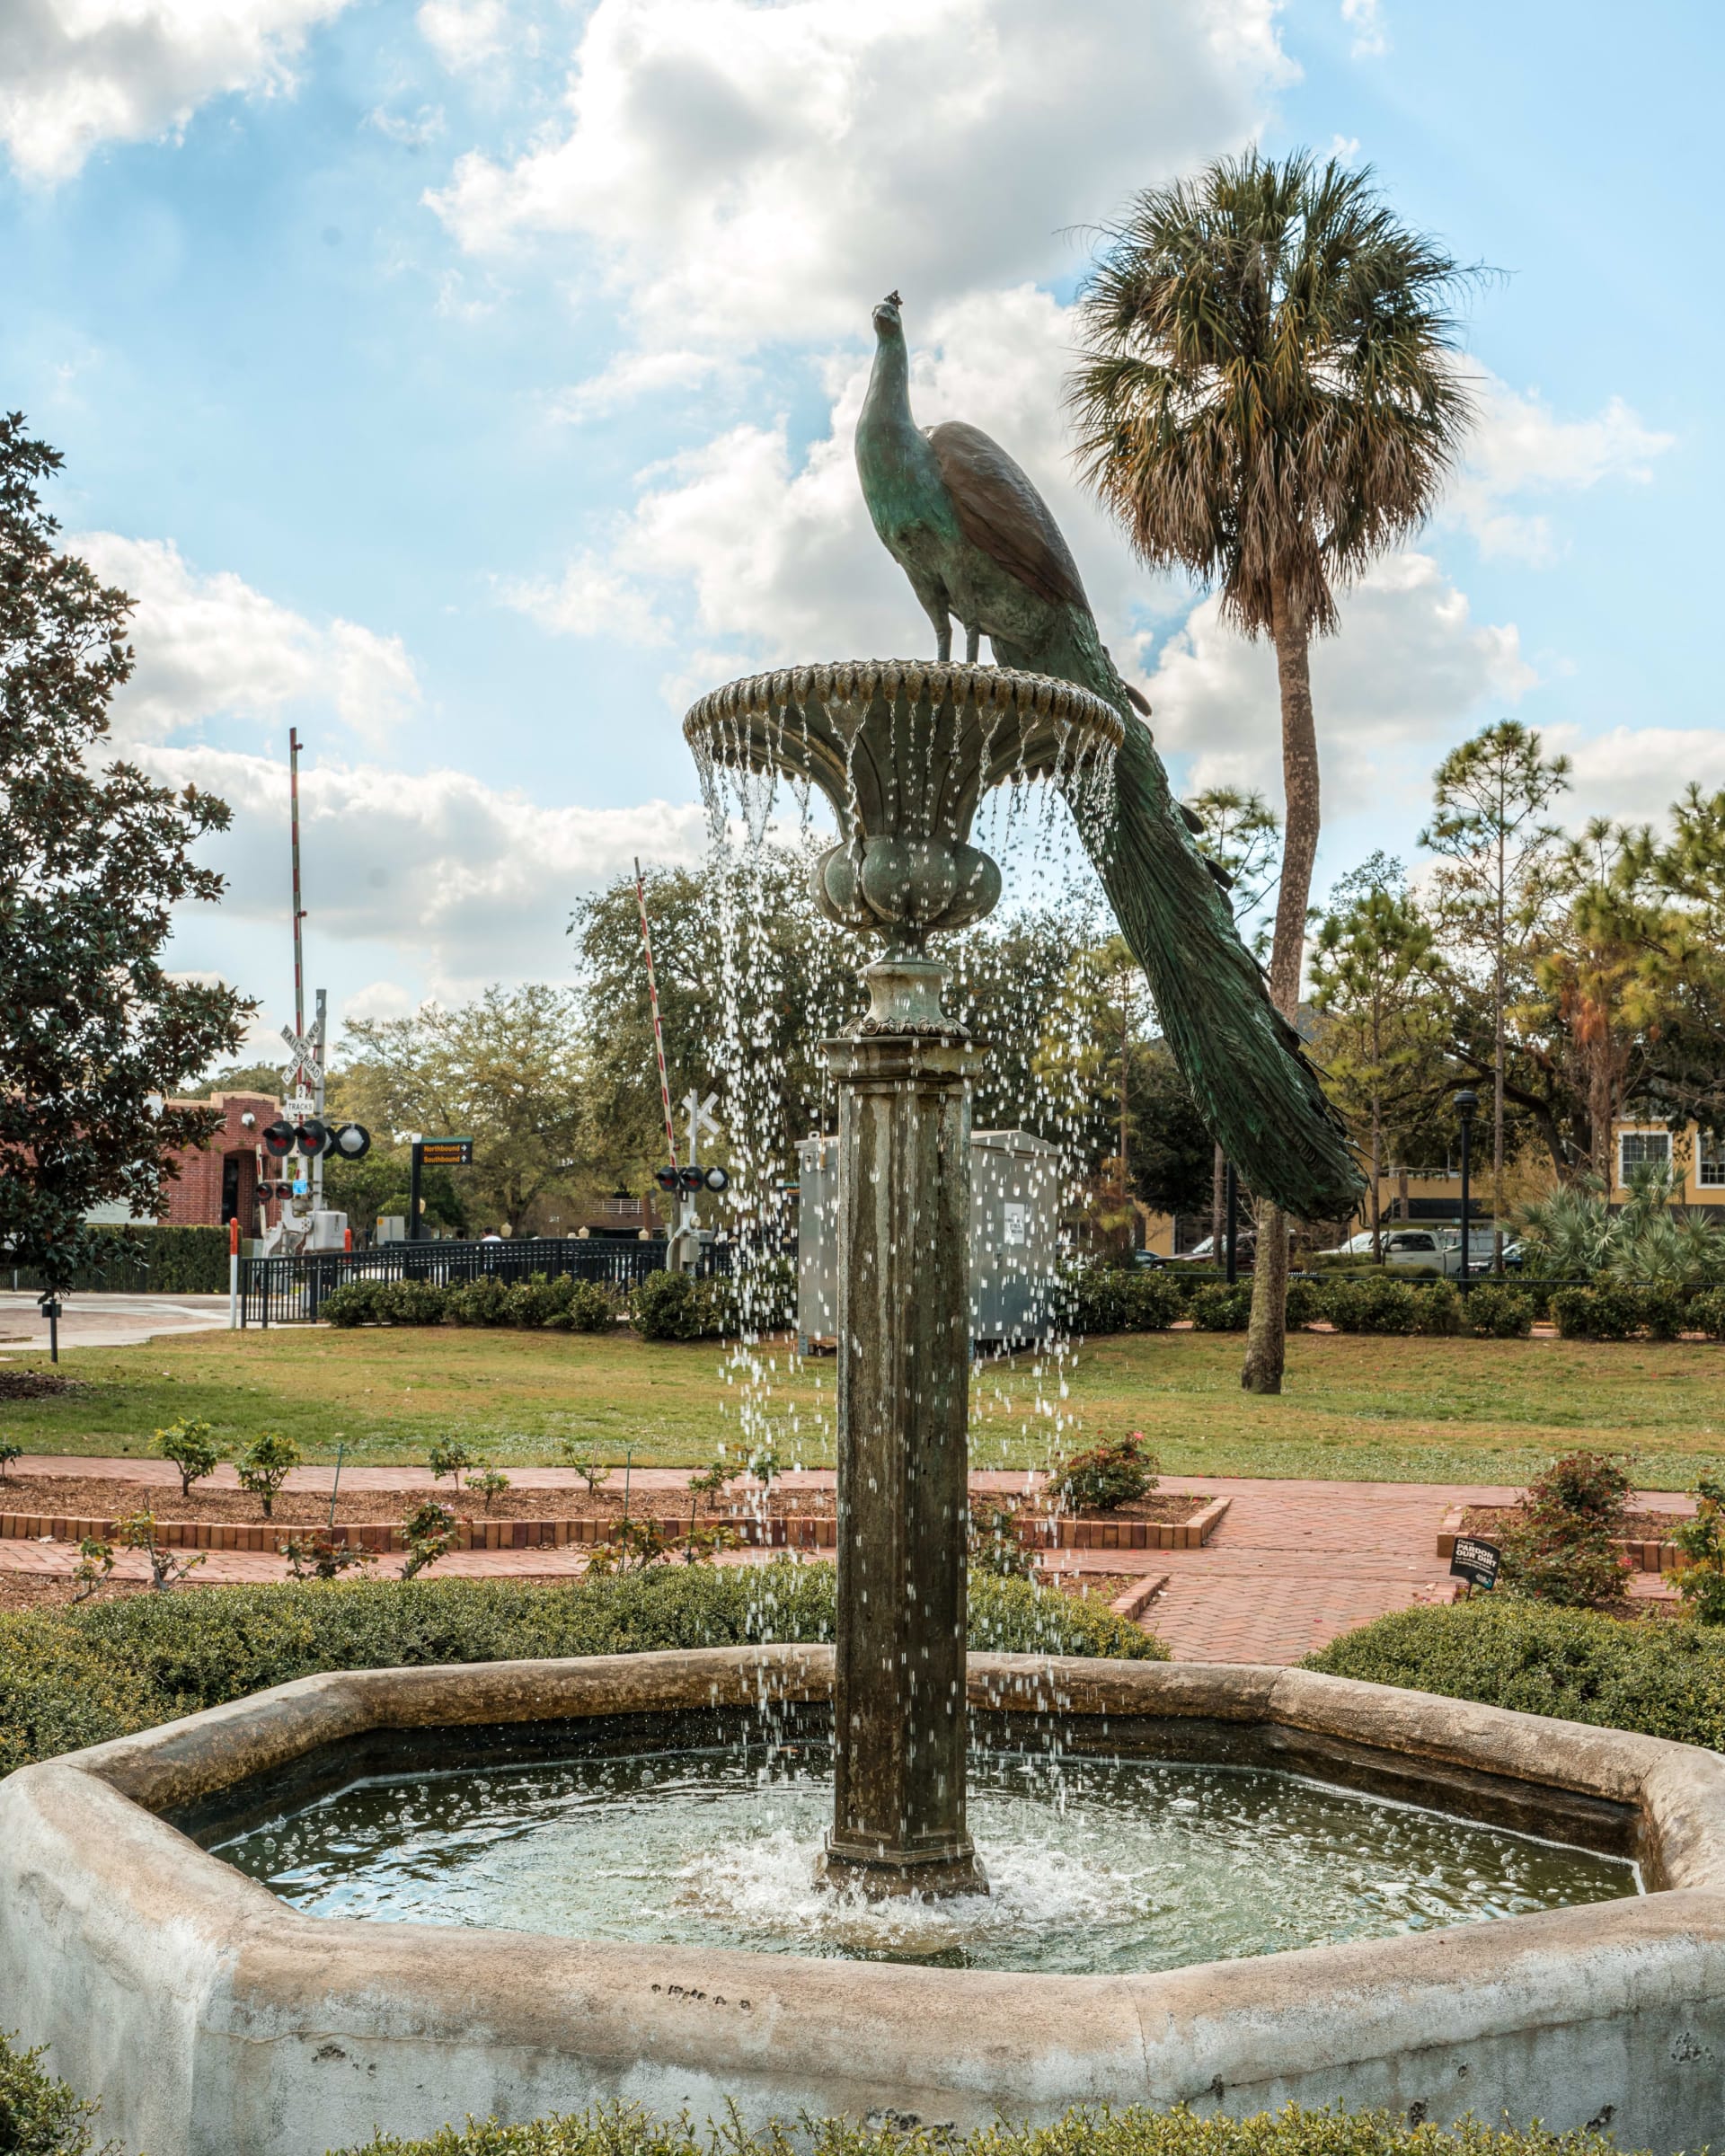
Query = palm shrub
x=1219 y=1308
x=1559 y=1548
x=1495 y=1312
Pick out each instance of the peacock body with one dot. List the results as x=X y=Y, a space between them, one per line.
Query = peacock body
x=979 y=545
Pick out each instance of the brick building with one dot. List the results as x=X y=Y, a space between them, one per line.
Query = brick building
x=217 y=1182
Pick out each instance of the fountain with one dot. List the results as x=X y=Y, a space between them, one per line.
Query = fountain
x=387 y=1898
x=903 y=752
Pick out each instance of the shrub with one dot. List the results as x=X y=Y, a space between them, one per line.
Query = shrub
x=623 y=2131
x=677 y=1306
x=1151 y=1300
x=481 y=1302
x=1559 y=1550
x=1496 y=1312
x=1118 y=1472
x=590 y=1308
x=1437 y=1310
x=1221 y=1308
x=81 y=1676
x=452 y=1459
x=1706 y=1313
x=1701 y=1581
x=192 y=1447
x=412 y=1302
x=1668 y=1680
x=61 y=1690
x=354 y=1303
x=1099 y=1293
x=1596 y=1313
x=1375 y=1304
x=1305 y=1303
x=265 y=1465
x=535 y=1301
x=38 y=2115
x=1663 y=1311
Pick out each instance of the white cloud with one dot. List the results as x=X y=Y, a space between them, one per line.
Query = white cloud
x=470 y=883
x=776 y=549
x=379 y=1000
x=74 y=73
x=1370 y=37
x=210 y=647
x=1521 y=448
x=412 y=130
x=589 y=599
x=462 y=33
x=1408 y=670
x=742 y=172
x=631 y=375
x=1635 y=772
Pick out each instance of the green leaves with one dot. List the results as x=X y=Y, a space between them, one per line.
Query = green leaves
x=94 y=858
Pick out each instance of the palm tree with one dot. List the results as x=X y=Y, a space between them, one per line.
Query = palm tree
x=1268 y=396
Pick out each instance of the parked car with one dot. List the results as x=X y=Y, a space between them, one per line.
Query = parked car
x=1206 y=1252
x=1406 y=1249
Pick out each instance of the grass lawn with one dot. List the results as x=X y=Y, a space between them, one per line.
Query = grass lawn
x=1357 y=1408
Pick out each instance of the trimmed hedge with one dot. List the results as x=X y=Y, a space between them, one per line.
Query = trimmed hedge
x=71 y=1677
x=564 y=1303
x=624 y=2131
x=1667 y=1679
x=677 y=1306
x=1610 y=1312
x=172 y=1261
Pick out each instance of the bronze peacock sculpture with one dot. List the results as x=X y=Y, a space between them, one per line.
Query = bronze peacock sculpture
x=979 y=544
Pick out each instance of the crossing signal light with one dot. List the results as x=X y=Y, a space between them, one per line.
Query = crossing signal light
x=692 y=1180
x=352 y=1142
x=312 y=1137
x=716 y=1180
x=668 y=1178
x=279 y=1140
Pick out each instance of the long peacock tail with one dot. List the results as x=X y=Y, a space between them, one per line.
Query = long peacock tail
x=1259 y=1096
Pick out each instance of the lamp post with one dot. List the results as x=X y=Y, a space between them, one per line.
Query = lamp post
x=1467 y=1103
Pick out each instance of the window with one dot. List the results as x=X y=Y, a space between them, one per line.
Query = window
x=1643 y=1148
x=1709 y=1160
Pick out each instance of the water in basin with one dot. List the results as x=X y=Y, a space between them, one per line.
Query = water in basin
x=1094 y=1865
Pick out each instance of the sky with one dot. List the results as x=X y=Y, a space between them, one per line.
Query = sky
x=470 y=385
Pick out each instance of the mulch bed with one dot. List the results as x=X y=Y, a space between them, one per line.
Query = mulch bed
x=37 y=1384
x=33 y=1591
x=99 y=1496
x=1638 y=1526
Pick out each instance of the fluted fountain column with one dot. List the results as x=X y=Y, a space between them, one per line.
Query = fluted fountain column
x=904 y=1357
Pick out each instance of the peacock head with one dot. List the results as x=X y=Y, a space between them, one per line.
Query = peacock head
x=886 y=317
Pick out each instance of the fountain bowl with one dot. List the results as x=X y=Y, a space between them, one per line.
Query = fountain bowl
x=903 y=750
x=212 y=2017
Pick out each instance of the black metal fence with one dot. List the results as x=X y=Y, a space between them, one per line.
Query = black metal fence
x=291 y=1291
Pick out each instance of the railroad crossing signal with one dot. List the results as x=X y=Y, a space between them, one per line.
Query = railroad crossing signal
x=302 y=1048
x=702 y=1122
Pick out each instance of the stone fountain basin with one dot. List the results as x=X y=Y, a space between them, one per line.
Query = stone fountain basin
x=213 y=2019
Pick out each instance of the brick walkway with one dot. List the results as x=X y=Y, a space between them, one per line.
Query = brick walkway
x=1292 y=1565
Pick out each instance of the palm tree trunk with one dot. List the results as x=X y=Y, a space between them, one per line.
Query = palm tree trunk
x=1267 y=1334
x=1219 y=1202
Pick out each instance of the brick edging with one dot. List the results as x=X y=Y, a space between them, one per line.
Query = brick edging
x=1132 y=1602
x=1190 y=1533
x=1643 y=1556
x=797 y=1532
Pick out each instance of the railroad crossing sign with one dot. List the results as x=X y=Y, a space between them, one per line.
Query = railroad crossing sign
x=702 y=1122
x=302 y=1048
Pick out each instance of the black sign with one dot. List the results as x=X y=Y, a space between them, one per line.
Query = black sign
x=447 y=1152
x=1475 y=1561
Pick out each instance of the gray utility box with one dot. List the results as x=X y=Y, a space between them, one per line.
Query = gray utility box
x=1016 y=1189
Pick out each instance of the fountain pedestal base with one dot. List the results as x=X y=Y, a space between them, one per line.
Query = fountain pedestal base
x=904 y=1371
x=894 y=1876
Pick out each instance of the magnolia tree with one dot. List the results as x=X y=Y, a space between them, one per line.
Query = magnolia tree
x=93 y=859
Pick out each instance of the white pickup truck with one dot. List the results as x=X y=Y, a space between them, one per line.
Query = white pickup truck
x=1430 y=1250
